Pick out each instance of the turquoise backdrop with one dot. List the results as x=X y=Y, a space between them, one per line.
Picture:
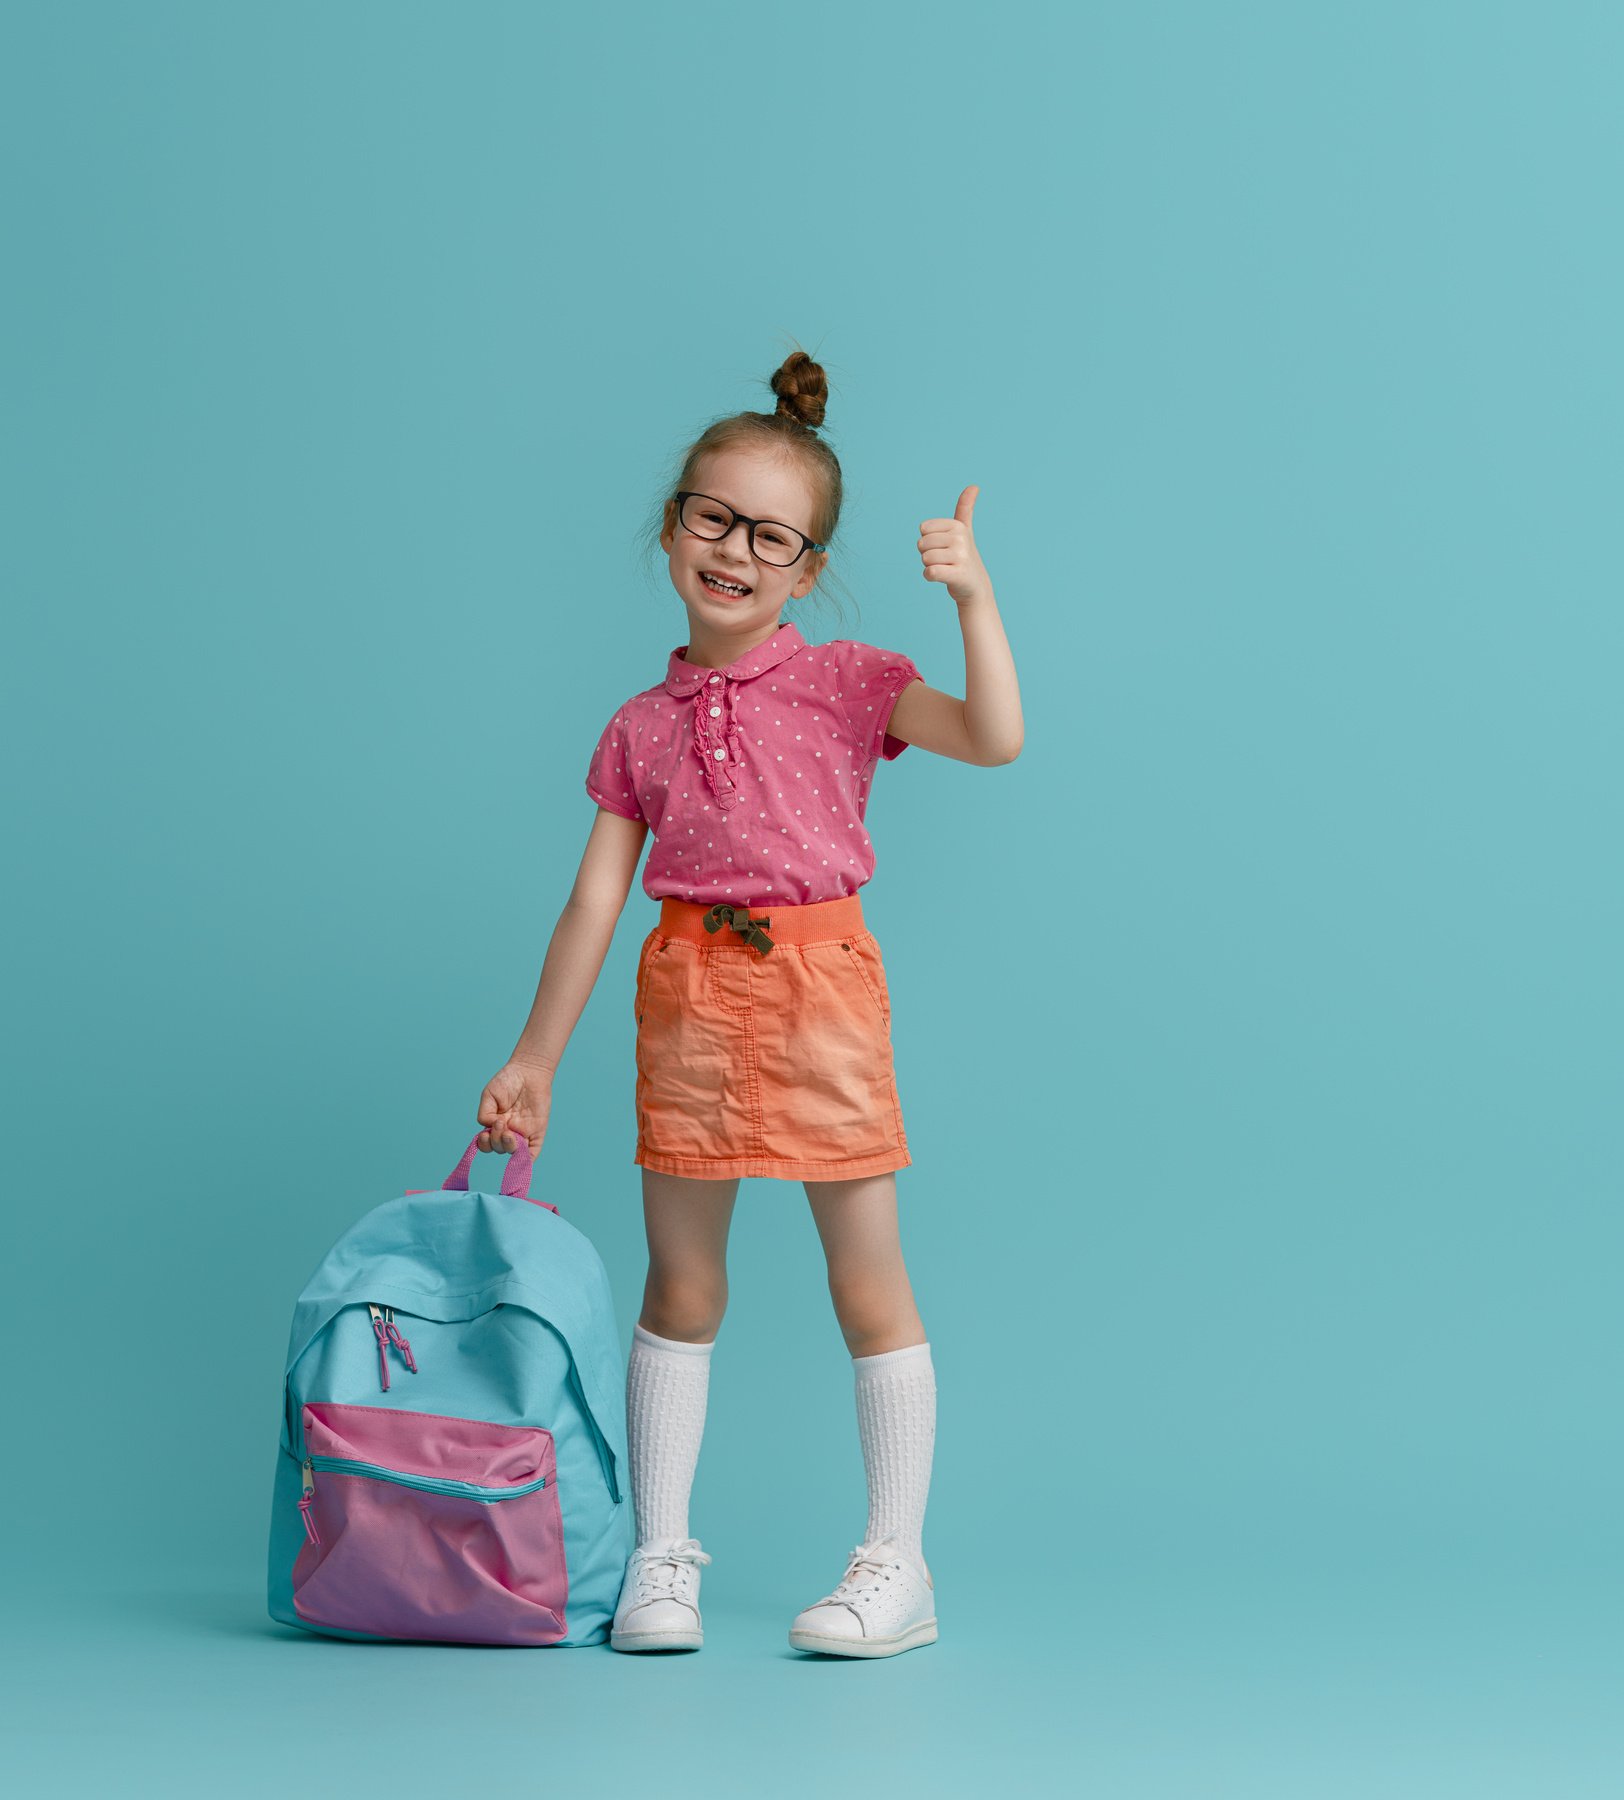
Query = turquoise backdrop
x=1258 y=1030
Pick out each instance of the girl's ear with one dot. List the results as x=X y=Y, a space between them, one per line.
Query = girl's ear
x=815 y=564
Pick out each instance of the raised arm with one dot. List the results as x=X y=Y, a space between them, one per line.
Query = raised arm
x=986 y=726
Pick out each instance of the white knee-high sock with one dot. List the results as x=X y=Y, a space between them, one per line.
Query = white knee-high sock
x=896 y=1422
x=666 y=1387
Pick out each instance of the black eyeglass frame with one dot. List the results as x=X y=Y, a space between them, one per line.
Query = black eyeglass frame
x=750 y=525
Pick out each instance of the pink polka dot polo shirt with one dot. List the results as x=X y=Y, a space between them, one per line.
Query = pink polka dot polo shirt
x=755 y=778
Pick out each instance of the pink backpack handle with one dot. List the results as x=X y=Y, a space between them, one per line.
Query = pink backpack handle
x=515 y=1177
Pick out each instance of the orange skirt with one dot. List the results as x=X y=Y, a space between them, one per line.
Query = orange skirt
x=757 y=1060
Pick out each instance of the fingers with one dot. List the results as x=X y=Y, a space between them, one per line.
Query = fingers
x=947 y=546
x=963 y=513
x=509 y=1098
x=495 y=1136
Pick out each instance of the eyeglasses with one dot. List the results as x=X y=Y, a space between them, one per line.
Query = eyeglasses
x=771 y=542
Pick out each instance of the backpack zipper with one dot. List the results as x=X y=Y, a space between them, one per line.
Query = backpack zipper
x=461 y=1490
x=307 y=1501
x=387 y=1332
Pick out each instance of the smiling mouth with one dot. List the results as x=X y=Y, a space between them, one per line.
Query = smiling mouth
x=725 y=591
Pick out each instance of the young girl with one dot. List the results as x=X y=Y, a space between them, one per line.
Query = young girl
x=763 y=1013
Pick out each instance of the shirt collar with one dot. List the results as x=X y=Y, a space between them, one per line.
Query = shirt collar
x=683 y=678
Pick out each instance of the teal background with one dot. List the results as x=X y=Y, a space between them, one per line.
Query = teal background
x=1257 y=1030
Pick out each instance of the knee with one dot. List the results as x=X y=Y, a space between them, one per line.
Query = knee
x=687 y=1307
x=874 y=1315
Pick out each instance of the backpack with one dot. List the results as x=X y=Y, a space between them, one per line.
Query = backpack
x=452 y=1454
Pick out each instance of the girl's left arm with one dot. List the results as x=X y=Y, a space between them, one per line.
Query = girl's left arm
x=985 y=727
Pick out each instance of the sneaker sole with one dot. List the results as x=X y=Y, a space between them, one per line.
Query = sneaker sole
x=911 y=1639
x=656 y=1640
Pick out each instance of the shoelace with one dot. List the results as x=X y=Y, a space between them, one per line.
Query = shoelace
x=872 y=1560
x=657 y=1576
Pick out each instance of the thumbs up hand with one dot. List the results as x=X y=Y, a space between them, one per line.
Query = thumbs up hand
x=948 y=549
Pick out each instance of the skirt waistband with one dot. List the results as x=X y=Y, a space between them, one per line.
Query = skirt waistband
x=817 y=922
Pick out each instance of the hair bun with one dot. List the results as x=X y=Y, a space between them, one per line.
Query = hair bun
x=802 y=390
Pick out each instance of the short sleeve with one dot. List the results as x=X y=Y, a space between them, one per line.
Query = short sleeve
x=867 y=682
x=608 y=777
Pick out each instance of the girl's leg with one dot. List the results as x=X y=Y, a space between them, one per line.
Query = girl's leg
x=667 y=1379
x=668 y=1371
x=686 y=1223
x=891 y=1362
x=868 y=1282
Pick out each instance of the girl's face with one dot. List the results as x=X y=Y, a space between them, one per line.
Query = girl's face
x=761 y=487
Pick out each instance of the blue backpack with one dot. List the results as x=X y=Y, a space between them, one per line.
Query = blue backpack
x=453 y=1447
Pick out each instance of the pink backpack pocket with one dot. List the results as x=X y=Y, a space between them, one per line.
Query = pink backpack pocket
x=420 y=1525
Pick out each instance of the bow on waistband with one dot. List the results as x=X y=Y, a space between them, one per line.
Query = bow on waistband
x=739 y=918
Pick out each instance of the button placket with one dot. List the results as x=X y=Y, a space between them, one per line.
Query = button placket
x=713 y=741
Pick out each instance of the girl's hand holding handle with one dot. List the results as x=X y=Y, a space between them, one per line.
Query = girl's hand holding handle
x=516 y=1103
x=948 y=550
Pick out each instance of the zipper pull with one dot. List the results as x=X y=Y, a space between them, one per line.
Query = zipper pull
x=396 y=1339
x=383 y=1345
x=308 y=1502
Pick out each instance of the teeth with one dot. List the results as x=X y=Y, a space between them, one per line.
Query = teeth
x=728 y=587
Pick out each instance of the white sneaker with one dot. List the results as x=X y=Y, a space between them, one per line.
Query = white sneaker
x=885 y=1603
x=659 y=1598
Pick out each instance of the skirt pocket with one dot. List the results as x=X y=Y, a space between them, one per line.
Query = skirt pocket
x=653 y=944
x=865 y=955
x=426 y=1526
